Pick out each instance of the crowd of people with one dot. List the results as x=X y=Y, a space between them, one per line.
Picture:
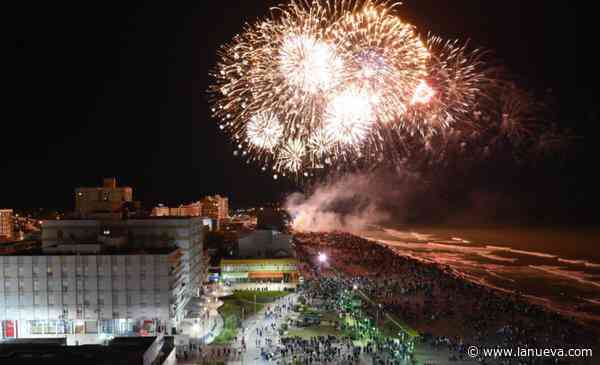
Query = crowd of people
x=319 y=350
x=448 y=310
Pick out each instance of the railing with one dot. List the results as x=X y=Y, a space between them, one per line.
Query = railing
x=153 y=351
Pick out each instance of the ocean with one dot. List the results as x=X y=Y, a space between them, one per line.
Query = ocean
x=555 y=267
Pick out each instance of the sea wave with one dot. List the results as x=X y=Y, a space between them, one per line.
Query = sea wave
x=560 y=271
x=592 y=301
x=497 y=258
x=522 y=252
x=478 y=262
x=579 y=262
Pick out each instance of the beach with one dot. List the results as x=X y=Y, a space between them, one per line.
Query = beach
x=554 y=267
x=444 y=306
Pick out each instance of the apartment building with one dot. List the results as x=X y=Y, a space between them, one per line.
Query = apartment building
x=79 y=290
x=105 y=202
x=187 y=233
x=6 y=224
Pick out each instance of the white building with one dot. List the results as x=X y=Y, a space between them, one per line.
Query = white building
x=82 y=291
x=187 y=233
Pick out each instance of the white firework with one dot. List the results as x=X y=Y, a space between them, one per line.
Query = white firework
x=264 y=130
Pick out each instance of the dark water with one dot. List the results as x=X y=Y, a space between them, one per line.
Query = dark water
x=559 y=268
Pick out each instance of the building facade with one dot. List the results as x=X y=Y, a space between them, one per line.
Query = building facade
x=215 y=207
x=6 y=224
x=239 y=272
x=187 y=210
x=106 y=202
x=187 y=233
x=75 y=291
x=265 y=243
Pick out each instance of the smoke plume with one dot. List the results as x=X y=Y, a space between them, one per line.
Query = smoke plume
x=351 y=202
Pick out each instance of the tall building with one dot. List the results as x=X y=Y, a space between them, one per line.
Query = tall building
x=215 y=207
x=6 y=224
x=79 y=290
x=187 y=233
x=106 y=202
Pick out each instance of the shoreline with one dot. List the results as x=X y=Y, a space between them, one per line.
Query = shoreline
x=431 y=307
x=582 y=318
x=581 y=303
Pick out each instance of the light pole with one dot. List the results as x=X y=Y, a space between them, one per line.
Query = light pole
x=322 y=258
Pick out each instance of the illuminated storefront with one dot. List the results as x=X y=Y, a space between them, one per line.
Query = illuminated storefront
x=260 y=270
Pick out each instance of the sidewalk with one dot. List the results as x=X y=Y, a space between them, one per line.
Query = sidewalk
x=252 y=353
x=215 y=331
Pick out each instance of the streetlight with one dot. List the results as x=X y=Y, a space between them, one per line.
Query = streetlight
x=322 y=257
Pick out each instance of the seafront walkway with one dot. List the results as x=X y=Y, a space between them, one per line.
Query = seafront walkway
x=256 y=330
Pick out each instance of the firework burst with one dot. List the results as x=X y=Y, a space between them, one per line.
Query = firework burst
x=336 y=82
x=349 y=116
x=291 y=156
x=264 y=131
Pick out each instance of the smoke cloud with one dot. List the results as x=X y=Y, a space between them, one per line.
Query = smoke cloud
x=351 y=202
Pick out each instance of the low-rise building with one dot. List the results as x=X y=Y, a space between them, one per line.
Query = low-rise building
x=241 y=273
x=184 y=210
x=265 y=243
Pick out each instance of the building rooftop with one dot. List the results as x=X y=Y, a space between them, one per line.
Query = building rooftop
x=119 y=351
x=258 y=261
x=135 y=218
x=92 y=248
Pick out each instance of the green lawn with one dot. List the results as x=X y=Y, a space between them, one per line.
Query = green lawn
x=230 y=312
x=331 y=316
x=261 y=296
x=392 y=324
x=308 y=332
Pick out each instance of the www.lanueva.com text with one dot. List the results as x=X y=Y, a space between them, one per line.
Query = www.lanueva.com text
x=498 y=352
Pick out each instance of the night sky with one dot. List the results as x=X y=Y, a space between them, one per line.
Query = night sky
x=119 y=89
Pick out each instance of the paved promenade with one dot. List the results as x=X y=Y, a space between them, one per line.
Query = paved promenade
x=251 y=333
